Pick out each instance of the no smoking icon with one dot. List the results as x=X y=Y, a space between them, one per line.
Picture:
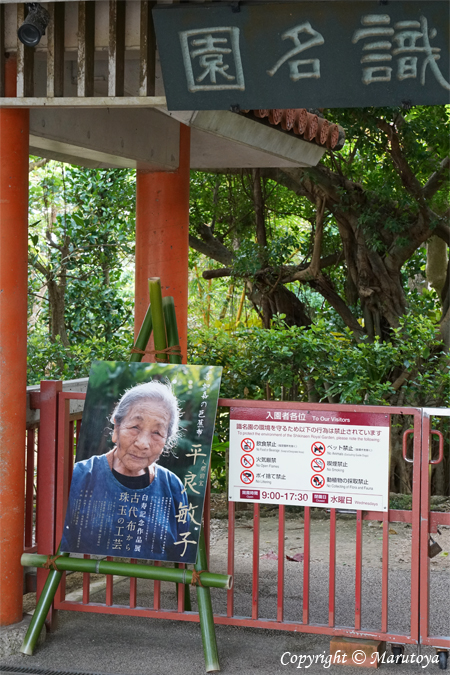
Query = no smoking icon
x=247 y=477
x=317 y=464
x=247 y=461
x=318 y=448
x=248 y=445
x=318 y=481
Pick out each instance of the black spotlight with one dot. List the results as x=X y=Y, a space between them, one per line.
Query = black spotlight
x=33 y=28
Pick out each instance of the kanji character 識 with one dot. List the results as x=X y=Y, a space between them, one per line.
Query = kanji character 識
x=404 y=40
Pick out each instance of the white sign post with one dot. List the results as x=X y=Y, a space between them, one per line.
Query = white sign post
x=315 y=458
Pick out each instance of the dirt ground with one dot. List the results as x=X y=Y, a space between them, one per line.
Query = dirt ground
x=399 y=541
x=400 y=535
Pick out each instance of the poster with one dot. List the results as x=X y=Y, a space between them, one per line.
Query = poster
x=142 y=463
x=310 y=458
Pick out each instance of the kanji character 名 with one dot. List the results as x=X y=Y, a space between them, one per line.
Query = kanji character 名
x=185 y=541
x=212 y=59
x=409 y=38
x=315 y=40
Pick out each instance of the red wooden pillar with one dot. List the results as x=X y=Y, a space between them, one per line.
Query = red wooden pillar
x=162 y=237
x=46 y=482
x=14 y=133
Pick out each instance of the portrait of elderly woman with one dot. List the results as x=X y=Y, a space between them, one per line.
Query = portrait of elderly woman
x=123 y=502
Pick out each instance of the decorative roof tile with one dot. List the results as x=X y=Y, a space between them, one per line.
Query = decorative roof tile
x=300 y=122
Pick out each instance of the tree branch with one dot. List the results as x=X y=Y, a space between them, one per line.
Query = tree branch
x=303 y=273
x=436 y=179
x=324 y=288
x=216 y=274
x=314 y=267
x=39 y=266
x=442 y=230
x=36 y=165
x=210 y=246
x=294 y=273
x=408 y=177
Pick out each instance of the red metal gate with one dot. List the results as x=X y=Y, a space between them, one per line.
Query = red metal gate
x=53 y=501
x=429 y=523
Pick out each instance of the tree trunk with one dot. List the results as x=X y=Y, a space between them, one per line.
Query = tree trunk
x=437 y=261
x=56 y=298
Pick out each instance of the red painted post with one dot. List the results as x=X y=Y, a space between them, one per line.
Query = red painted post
x=162 y=237
x=46 y=477
x=14 y=134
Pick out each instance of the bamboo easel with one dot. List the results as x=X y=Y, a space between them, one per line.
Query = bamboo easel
x=160 y=318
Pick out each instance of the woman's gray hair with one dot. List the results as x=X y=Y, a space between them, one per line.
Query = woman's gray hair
x=156 y=391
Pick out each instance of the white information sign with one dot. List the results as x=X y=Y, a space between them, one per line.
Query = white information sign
x=310 y=458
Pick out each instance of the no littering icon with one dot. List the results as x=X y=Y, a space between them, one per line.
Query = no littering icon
x=247 y=477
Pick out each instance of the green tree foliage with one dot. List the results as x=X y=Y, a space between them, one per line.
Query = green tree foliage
x=81 y=247
x=334 y=259
x=320 y=364
x=343 y=232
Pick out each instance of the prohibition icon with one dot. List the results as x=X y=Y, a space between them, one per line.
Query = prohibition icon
x=247 y=477
x=317 y=464
x=318 y=481
x=318 y=448
x=247 y=461
x=248 y=445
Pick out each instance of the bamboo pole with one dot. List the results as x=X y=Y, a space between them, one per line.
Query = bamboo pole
x=143 y=337
x=42 y=607
x=227 y=302
x=159 y=326
x=173 y=340
x=171 y=327
x=203 y=594
x=123 y=569
x=241 y=306
x=208 y=305
x=206 y=613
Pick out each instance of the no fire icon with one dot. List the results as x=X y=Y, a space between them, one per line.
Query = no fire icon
x=247 y=461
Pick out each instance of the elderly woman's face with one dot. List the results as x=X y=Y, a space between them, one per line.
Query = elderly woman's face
x=141 y=436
